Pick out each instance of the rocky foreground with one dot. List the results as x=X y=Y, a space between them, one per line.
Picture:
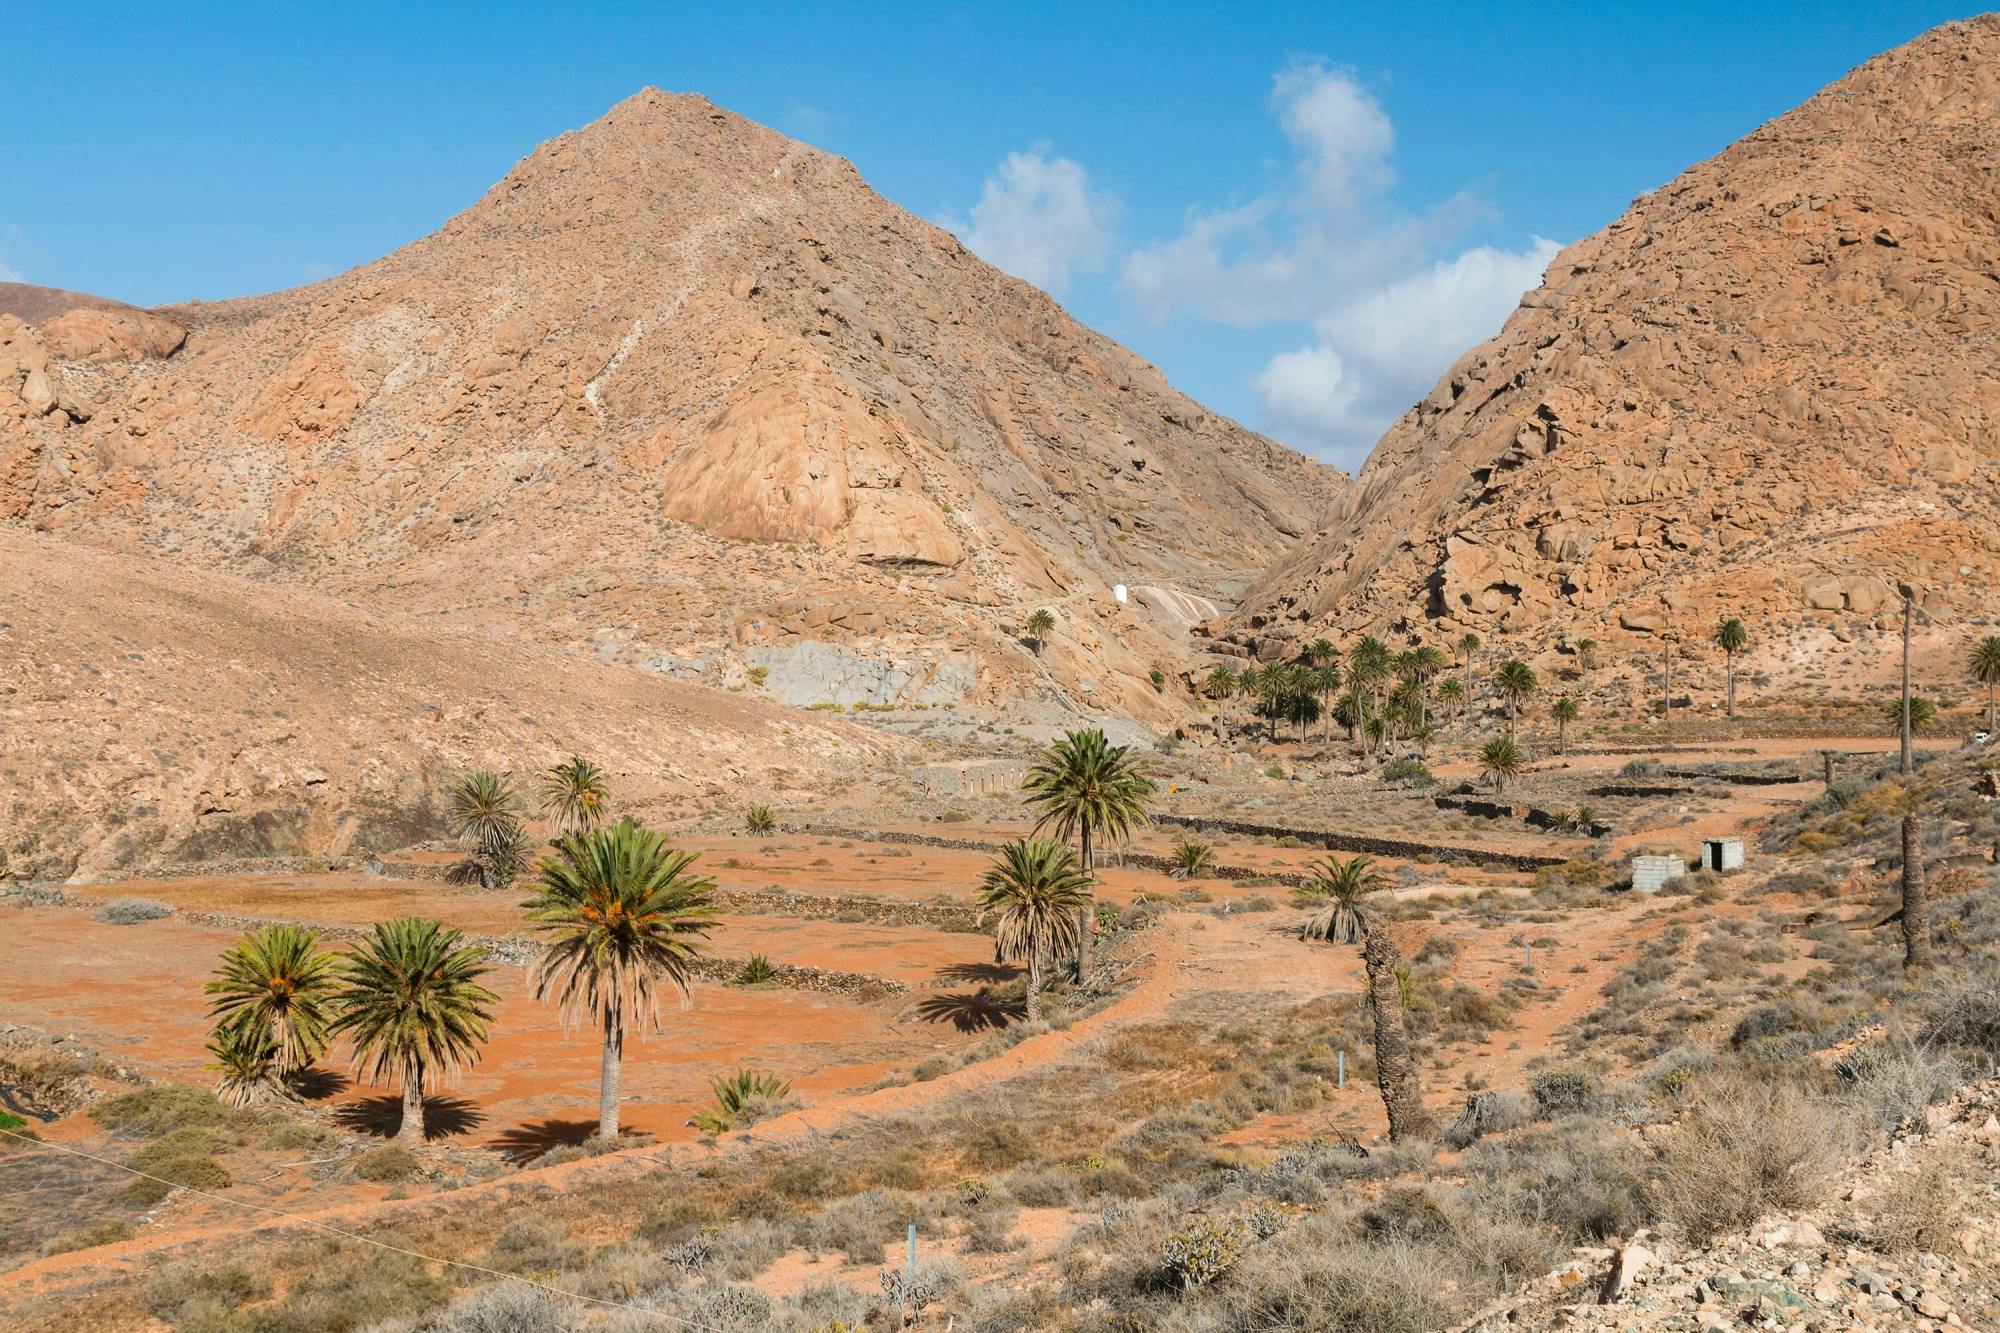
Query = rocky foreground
x=1912 y=1241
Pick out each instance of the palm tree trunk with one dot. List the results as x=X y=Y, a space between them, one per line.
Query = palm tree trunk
x=608 y=1079
x=1035 y=985
x=1562 y=742
x=412 y=1128
x=1906 y=763
x=1916 y=907
x=1395 y=1066
x=1731 y=657
x=1510 y=717
x=1084 y=914
x=1992 y=711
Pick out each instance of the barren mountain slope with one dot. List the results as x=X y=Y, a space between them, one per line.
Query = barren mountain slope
x=155 y=717
x=1771 y=386
x=688 y=390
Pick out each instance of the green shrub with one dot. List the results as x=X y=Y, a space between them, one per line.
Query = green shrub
x=1201 y=1253
x=88 y=1238
x=163 y=1177
x=188 y=1295
x=1560 y=1092
x=741 y=1099
x=154 y=1110
x=131 y=911
x=390 y=1162
x=1408 y=769
x=1643 y=768
x=8 y=1120
x=756 y=971
x=760 y=821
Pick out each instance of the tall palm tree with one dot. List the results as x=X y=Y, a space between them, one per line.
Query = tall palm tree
x=1040 y=897
x=1984 y=664
x=1086 y=788
x=575 y=795
x=1517 y=683
x=276 y=981
x=1426 y=664
x=1040 y=625
x=1732 y=638
x=1274 y=687
x=1324 y=682
x=1586 y=654
x=1336 y=893
x=1565 y=711
x=1500 y=759
x=1319 y=652
x=485 y=817
x=624 y=913
x=1221 y=684
x=1369 y=666
x=1302 y=707
x=1452 y=691
x=1352 y=711
x=412 y=1004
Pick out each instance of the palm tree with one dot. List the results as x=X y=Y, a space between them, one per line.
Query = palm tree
x=1425 y=663
x=1731 y=638
x=276 y=981
x=1302 y=707
x=1565 y=711
x=1452 y=691
x=1040 y=897
x=485 y=817
x=1369 y=664
x=1468 y=646
x=1500 y=759
x=1984 y=663
x=1086 y=788
x=1336 y=892
x=575 y=796
x=1274 y=688
x=412 y=1004
x=1923 y=715
x=1324 y=681
x=1335 y=889
x=623 y=912
x=1319 y=652
x=1040 y=625
x=1586 y=654
x=1221 y=683
x=1351 y=711
x=1517 y=682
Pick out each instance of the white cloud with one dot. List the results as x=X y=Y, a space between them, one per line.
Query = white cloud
x=1380 y=352
x=1388 y=314
x=1341 y=132
x=1040 y=219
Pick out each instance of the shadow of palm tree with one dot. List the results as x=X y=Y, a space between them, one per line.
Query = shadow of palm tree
x=316 y=1084
x=383 y=1116
x=524 y=1143
x=986 y=974
x=971 y=1011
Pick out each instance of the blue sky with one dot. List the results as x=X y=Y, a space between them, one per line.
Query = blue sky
x=1301 y=212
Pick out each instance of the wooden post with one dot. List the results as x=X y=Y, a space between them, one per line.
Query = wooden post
x=1826 y=764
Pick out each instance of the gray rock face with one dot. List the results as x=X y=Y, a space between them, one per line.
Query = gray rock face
x=811 y=672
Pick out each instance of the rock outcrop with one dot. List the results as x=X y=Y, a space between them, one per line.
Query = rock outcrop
x=1768 y=387
x=671 y=374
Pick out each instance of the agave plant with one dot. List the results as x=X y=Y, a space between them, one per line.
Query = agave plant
x=742 y=1098
x=1192 y=859
x=759 y=820
x=756 y=971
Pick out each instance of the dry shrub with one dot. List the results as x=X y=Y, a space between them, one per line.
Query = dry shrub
x=1919 y=1214
x=1746 y=1147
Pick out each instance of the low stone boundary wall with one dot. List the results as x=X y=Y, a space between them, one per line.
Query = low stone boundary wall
x=1741 y=779
x=1354 y=842
x=1532 y=815
x=959 y=917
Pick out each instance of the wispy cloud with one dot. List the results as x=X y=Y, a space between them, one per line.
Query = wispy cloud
x=1040 y=219
x=1388 y=305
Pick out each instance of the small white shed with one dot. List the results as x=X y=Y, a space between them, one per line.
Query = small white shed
x=1722 y=854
